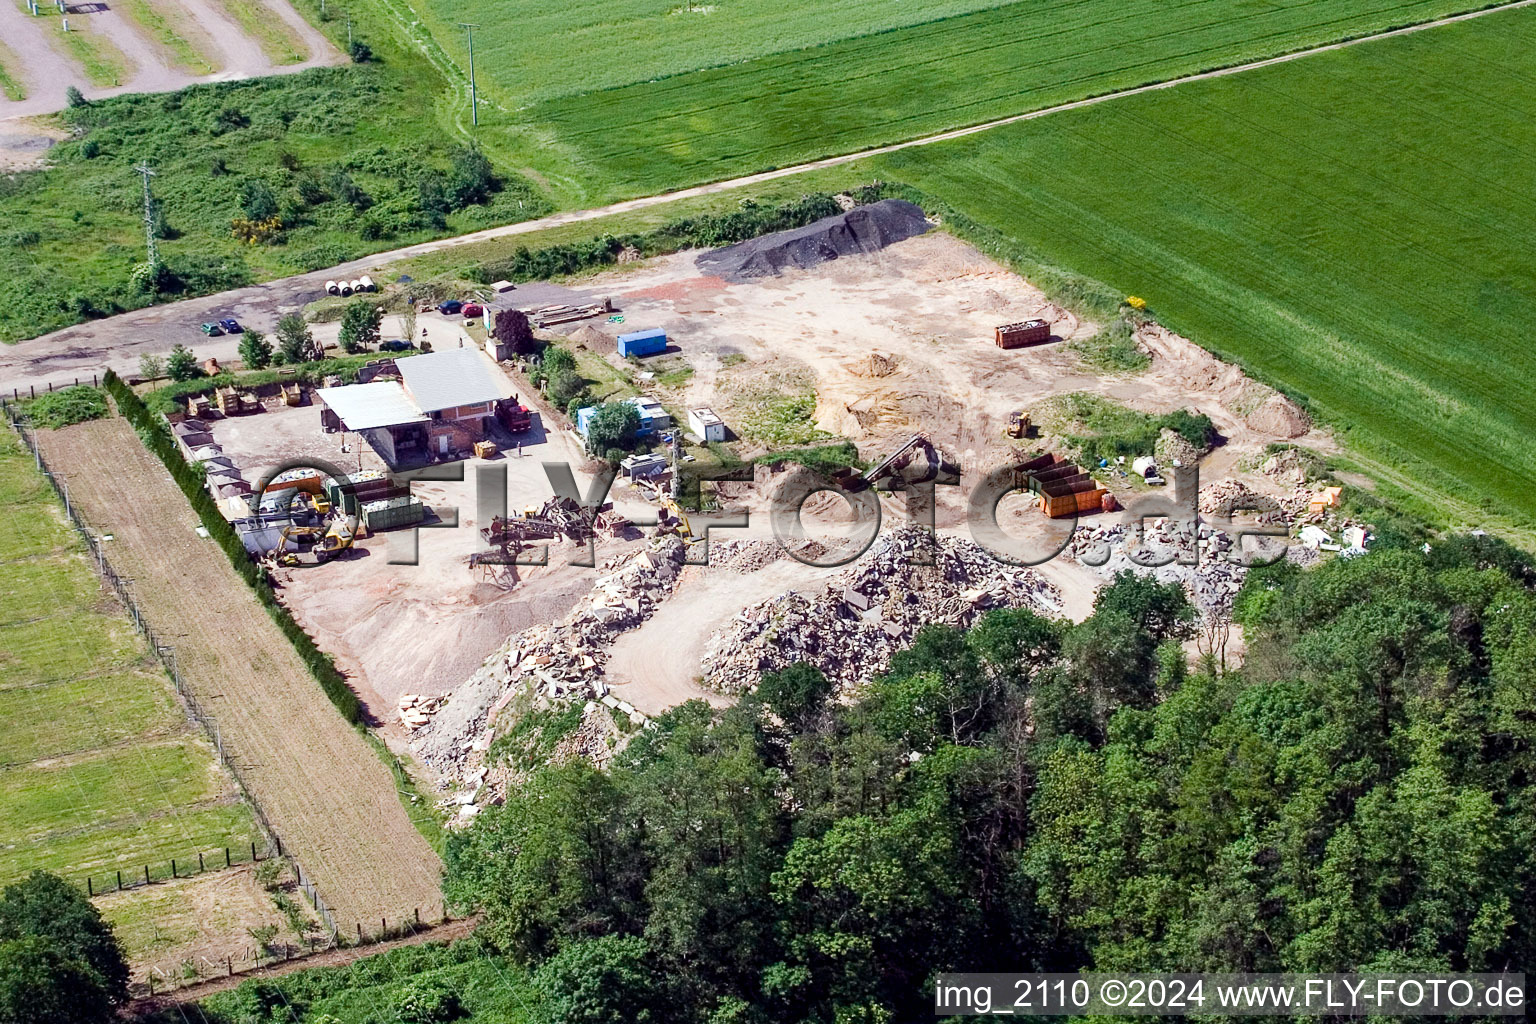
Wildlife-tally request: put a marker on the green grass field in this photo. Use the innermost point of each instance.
(839, 83)
(74, 233)
(99, 769)
(1356, 227)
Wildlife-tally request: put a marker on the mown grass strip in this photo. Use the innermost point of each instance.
(103, 63)
(276, 37)
(99, 767)
(10, 84)
(164, 23)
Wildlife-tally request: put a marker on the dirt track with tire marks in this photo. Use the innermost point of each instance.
(323, 787)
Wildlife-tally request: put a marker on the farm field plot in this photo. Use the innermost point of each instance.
(1357, 227)
(327, 793)
(99, 769)
(859, 91)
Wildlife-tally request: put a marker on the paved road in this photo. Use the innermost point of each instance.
(119, 341)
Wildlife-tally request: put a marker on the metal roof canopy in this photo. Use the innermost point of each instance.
(452, 377)
(366, 406)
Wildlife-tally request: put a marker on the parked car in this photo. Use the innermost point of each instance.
(472, 309)
(212, 330)
(395, 345)
(450, 307)
(231, 326)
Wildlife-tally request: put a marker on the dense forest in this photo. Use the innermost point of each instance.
(1033, 795)
(1028, 795)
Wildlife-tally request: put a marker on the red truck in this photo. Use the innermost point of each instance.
(512, 415)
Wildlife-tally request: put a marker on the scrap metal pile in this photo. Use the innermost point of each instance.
(871, 611)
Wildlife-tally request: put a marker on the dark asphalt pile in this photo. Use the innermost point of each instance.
(862, 229)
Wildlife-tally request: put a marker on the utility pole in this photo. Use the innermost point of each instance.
(151, 250)
(474, 101)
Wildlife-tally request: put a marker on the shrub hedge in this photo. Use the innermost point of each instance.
(157, 437)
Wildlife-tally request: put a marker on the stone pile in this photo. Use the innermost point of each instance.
(1219, 499)
(1167, 552)
(870, 611)
(744, 556)
(416, 710)
(556, 661)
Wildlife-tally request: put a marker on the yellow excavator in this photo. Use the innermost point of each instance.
(317, 544)
(671, 518)
(1019, 425)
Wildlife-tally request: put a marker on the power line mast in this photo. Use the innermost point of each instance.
(151, 250)
(474, 100)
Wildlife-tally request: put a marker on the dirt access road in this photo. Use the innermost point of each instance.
(45, 71)
(324, 788)
(119, 341)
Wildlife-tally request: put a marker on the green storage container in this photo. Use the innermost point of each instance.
(392, 513)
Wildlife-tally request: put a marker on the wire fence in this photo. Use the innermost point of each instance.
(166, 653)
(170, 868)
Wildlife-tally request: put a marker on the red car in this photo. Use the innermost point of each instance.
(472, 309)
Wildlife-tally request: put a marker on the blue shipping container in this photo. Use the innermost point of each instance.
(643, 343)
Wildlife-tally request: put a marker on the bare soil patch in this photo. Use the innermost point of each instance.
(189, 926)
(328, 794)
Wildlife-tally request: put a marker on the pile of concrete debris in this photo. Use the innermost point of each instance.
(744, 556)
(416, 710)
(1193, 556)
(909, 580)
(1222, 497)
(556, 661)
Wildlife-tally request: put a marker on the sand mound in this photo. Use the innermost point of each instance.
(863, 229)
(592, 339)
(1279, 415)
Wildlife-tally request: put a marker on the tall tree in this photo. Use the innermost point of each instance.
(360, 326)
(295, 342)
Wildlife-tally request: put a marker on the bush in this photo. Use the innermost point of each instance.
(705, 231)
(71, 405)
(613, 426)
(255, 349)
(1092, 427)
(359, 326)
(75, 98)
(428, 1001)
(360, 52)
(257, 200)
(181, 364)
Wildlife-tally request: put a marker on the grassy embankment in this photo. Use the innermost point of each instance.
(102, 771)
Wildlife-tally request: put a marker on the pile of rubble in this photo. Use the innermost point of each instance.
(416, 710)
(851, 630)
(1221, 498)
(556, 661)
(1195, 557)
(744, 556)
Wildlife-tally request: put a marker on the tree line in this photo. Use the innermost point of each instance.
(1035, 795)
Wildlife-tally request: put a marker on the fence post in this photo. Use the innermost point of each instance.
(226, 856)
(146, 874)
(253, 851)
(200, 868)
(173, 867)
(119, 880)
(89, 891)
